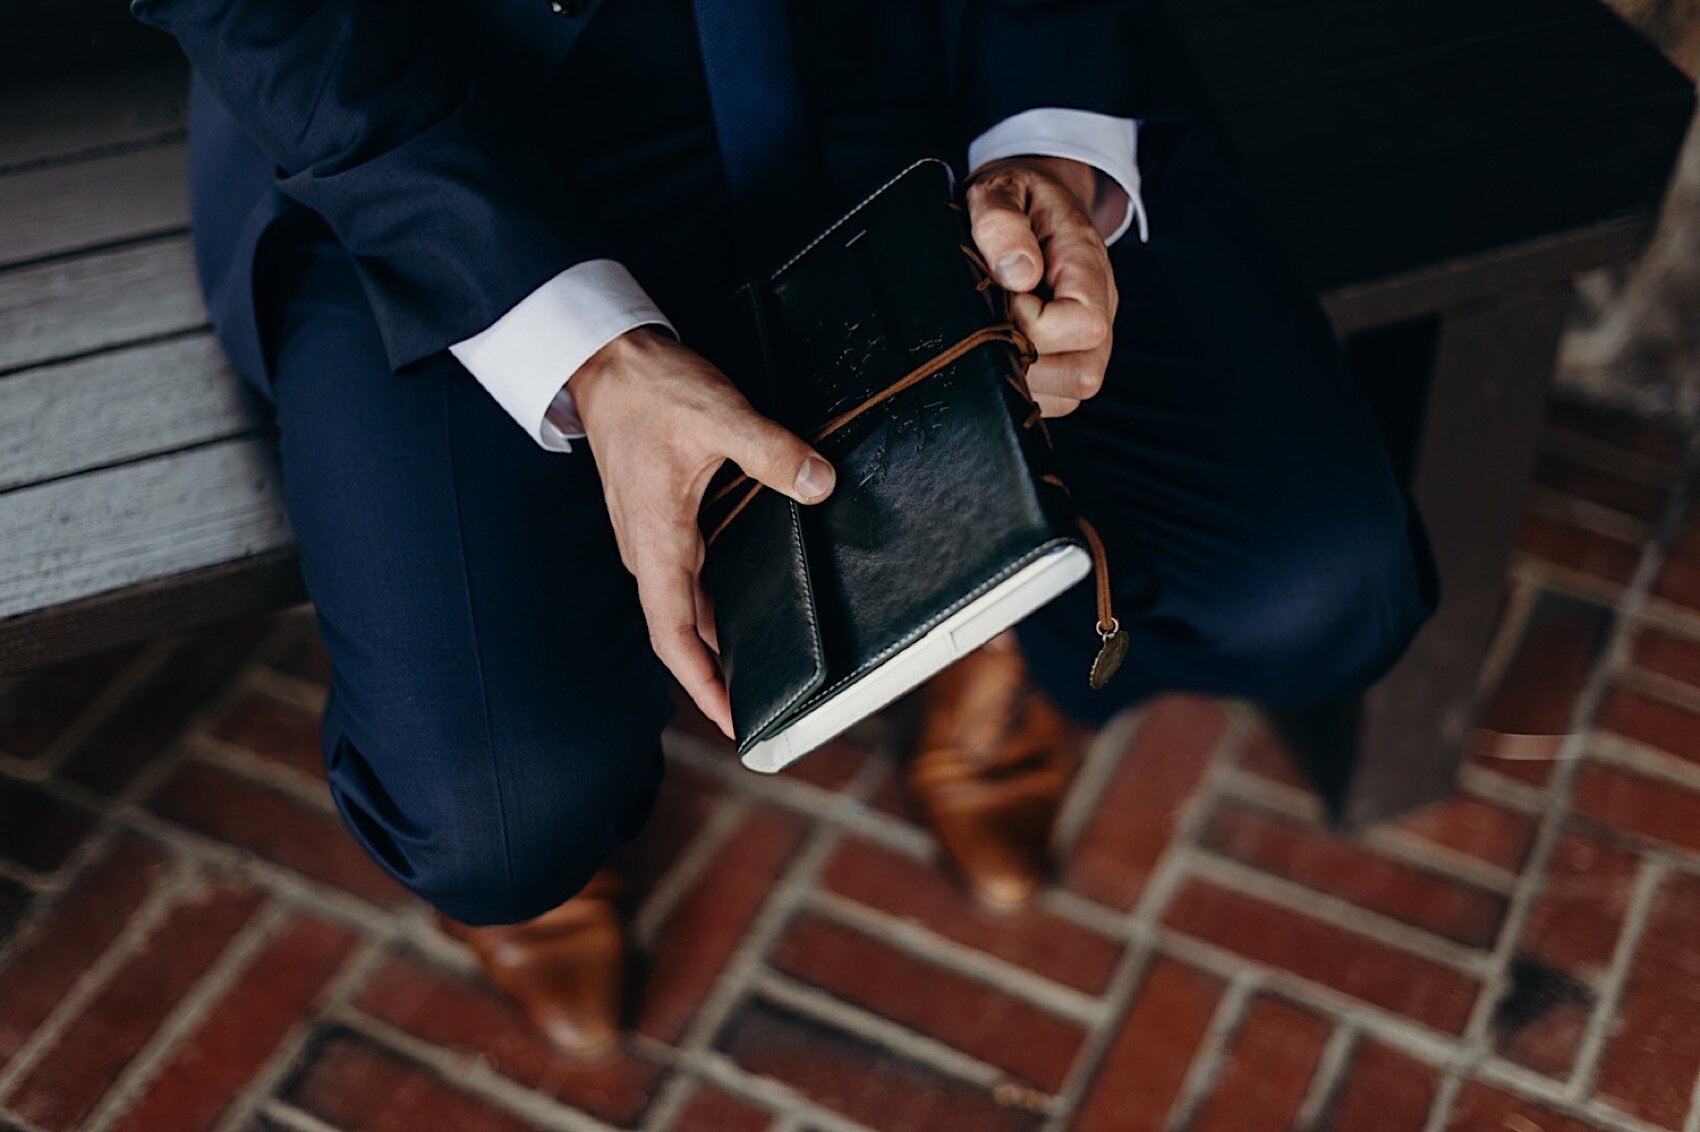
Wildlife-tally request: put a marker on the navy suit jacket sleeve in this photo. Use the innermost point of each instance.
(1014, 55)
(419, 172)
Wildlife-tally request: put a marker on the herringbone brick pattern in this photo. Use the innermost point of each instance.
(189, 941)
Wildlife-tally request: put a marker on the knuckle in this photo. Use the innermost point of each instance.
(1094, 330)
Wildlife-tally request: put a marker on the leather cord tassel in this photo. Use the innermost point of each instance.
(1112, 638)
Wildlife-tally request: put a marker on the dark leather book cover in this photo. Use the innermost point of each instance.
(885, 344)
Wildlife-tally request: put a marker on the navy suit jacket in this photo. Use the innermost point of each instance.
(402, 124)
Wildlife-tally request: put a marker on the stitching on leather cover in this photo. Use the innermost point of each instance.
(799, 557)
(898, 646)
(845, 219)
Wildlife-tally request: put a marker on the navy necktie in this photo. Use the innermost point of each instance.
(759, 120)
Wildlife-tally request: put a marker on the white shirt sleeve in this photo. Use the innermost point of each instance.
(526, 357)
(1109, 145)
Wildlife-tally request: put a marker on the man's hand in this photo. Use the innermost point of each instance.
(1032, 219)
(661, 420)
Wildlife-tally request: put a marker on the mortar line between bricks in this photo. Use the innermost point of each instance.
(1396, 1030)
(1564, 581)
(1648, 879)
(1138, 926)
(291, 691)
(1395, 844)
(1329, 1077)
(102, 834)
(285, 1058)
(836, 809)
(24, 877)
(152, 657)
(23, 1125)
(1179, 855)
(174, 752)
(1501, 789)
(467, 1075)
(1398, 844)
(189, 1012)
(683, 871)
(1325, 907)
(1610, 749)
(95, 848)
(167, 895)
(876, 1029)
(990, 971)
(744, 965)
(675, 1092)
(296, 1120)
(1082, 912)
(1475, 1044)
(1212, 1052)
(1692, 1123)
(229, 860)
(1658, 686)
(1662, 614)
(1103, 756)
(1543, 1091)
(1585, 514)
(780, 1099)
(1125, 981)
(268, 773)
(786, 1123)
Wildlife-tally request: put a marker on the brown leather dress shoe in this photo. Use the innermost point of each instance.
(992, 764)
(565, 969)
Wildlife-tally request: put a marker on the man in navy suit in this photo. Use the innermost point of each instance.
(450, 241)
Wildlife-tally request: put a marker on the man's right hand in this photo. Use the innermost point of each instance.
(660, 420)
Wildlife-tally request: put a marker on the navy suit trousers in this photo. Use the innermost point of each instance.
(493, 730)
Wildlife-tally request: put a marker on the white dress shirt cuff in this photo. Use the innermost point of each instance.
(1110, 145)
(527, 357)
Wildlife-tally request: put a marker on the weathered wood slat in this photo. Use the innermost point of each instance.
(61, 419)
(63, 117)
(70, 306)
(174, 604)
(61, 208)
(1468, 279)
(73, 539)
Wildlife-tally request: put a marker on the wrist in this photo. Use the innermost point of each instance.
(633, 350)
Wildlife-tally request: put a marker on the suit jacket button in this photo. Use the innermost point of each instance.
(569, 8)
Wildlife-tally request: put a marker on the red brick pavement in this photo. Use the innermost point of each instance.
(189, 942)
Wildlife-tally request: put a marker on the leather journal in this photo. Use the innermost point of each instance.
(884, 343)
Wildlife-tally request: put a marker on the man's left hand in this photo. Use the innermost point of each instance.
(1032, 219)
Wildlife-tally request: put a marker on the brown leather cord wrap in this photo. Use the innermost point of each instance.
(1002, 332)
(1109, 628)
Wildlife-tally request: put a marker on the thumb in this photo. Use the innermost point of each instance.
(997, 210)
(775, 457)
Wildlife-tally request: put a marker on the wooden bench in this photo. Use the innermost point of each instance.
(1440, 170)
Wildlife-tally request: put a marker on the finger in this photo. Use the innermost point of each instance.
(1074, 376)
(1054, 406)
(997, 211)
(775, 457)
(667, 594)
(1060, 326)
(705, 618)
(1078, 266)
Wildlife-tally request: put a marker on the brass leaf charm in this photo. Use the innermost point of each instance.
(1110, 656)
